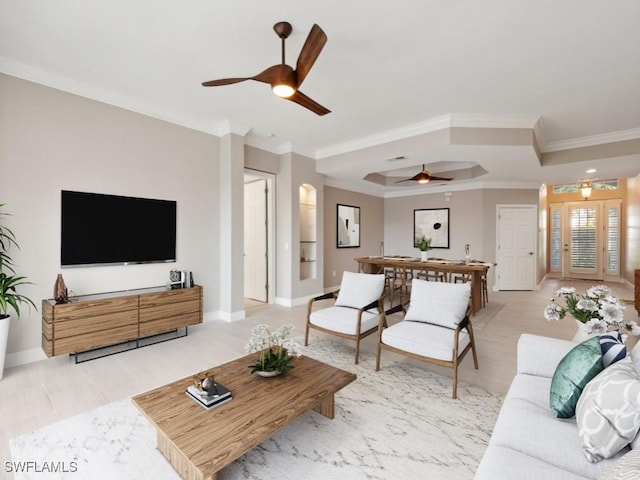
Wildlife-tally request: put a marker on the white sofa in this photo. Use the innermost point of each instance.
(528, 442)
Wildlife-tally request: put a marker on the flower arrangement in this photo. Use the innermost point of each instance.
(277, 349)
(597, 309)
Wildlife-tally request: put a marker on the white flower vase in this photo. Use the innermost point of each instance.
(424, 255)
(581, 333)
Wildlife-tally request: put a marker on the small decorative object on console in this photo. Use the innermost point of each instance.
(277, 350)
(60, 292)
(598, 310)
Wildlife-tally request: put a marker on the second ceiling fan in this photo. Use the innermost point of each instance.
(424, 177)
(284, 80)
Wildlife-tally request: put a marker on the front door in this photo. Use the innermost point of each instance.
(583, 241)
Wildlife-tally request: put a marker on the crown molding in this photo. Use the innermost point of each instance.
(426, 190)
(352, 187)
(601, 139)
(228, 126)
(68, 85)
(428, 126)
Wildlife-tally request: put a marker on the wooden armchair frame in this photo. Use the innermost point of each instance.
(359, 335)
(457, 355)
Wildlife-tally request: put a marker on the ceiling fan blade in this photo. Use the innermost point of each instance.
(224, 81)
(310, 50)
(431, 177)
(405, 180)
(301, 99)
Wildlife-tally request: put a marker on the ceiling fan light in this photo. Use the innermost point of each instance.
(423, 180)
(283, 90)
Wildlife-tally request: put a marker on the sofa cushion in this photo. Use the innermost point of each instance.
(358, 290)
(575, 370)
(439, 303)
(628, 467)
(527, 425)
(608, 411)
(502, 463)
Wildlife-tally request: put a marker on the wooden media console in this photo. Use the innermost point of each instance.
(90, 322)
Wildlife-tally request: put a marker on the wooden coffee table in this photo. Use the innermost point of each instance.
(199, 442)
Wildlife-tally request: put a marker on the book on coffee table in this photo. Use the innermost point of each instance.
(215, 396)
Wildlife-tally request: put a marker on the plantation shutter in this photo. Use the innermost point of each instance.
(612, 234)
(555, 235)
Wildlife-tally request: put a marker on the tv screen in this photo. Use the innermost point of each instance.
(100, 229)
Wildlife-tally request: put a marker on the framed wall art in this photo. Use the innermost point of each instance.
(434, 223)
(348, 226)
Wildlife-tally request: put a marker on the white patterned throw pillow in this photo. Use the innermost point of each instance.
(627, 468)
(608, 411)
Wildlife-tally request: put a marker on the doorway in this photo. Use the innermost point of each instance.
(259, 270)
(516, 254)
(585, 240)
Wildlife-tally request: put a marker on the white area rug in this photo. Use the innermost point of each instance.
(399, 423)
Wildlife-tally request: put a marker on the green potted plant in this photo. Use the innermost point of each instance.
(9, 281)
(423, 242)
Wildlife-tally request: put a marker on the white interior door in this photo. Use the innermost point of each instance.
(516, 247)
(255, 239)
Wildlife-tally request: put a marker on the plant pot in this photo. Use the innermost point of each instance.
(272, 373)
(424, 255)
(4, 337)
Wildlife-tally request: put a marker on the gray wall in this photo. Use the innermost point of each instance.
(52, 141)
(372, 219)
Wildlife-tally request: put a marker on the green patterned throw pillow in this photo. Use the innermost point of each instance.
(574, 371)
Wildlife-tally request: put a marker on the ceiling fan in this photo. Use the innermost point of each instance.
(284, 80)
(424, 177)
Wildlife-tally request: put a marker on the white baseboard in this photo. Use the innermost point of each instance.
(226, 316)
(24, 357)
(294, 302)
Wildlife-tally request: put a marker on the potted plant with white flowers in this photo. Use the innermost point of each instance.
(9, 282)
(596, 312)
(277, 350)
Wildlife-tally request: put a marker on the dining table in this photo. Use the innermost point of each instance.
(475, 270)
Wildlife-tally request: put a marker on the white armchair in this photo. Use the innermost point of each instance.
(355, 313)
(435, 329)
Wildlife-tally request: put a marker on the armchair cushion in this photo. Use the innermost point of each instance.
(344, 319)
(438, 303)
(359, 289)
(424, 339)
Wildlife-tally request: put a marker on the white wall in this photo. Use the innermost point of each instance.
(52, 141)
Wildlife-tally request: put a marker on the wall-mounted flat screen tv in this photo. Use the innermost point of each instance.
(100, 229)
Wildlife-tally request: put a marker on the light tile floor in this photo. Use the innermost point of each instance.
(37, 394)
